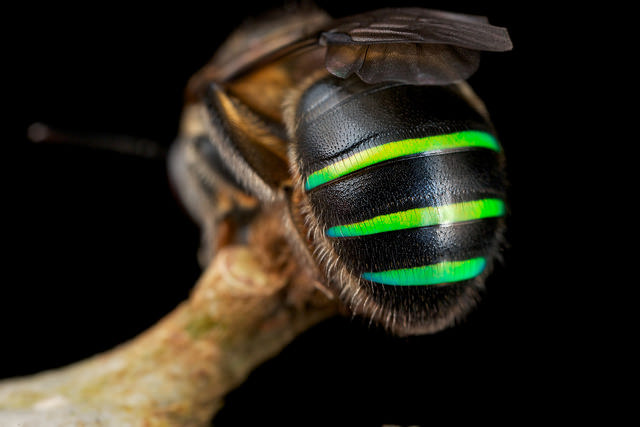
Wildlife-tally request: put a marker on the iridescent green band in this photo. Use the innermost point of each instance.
(405, 147)
(422, 217)
(443, 272)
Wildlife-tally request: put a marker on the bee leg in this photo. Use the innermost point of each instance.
(217, 207)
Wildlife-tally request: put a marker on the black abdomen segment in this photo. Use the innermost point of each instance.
(414, 247)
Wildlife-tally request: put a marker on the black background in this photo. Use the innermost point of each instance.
(99, 249)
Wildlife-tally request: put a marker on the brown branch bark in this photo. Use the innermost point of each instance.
(244, 309)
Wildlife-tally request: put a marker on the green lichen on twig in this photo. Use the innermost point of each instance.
(200, 326)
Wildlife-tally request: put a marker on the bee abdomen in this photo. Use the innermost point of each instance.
(407, 186)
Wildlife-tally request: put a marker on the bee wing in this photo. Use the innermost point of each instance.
(260, 39)
(410, 45)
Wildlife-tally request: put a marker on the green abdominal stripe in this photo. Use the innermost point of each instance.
(395, 149)
(434, 274)
(422, 217)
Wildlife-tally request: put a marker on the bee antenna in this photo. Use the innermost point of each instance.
(41, 133)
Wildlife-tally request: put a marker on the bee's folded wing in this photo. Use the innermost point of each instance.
(410, 45)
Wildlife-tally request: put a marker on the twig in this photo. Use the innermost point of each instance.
(244, 309)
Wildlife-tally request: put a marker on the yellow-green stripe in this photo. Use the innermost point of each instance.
(434, 274)
(422, 217)
(405, 147)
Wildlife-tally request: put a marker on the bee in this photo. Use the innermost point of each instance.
(363, 134)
